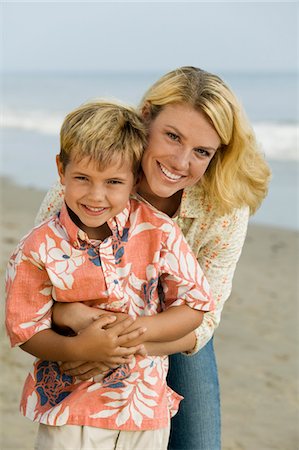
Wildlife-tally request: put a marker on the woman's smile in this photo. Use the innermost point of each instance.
(170, 175)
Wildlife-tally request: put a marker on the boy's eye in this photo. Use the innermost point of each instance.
(114, 182)
(173, 136)
(81, 178)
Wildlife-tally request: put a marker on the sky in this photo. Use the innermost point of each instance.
(149, 36)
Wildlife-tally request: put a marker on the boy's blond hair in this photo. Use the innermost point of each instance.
(237, 174)
(102, 130)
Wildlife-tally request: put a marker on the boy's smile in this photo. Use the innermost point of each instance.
(95, 196)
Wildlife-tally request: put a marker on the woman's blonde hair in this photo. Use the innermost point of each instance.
(238, 174)
(102, 130)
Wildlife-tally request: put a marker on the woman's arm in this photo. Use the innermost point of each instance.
(51, 204)
(184, 344)
(167, 326)
(218, 254)
(70, 315)
(85, 370)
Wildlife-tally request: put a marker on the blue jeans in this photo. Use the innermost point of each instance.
(197, 424)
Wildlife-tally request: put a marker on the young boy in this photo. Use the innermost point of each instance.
(117, 254)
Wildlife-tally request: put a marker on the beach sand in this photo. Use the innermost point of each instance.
(256, 343)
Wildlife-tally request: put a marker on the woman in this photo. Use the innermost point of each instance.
(203, 168)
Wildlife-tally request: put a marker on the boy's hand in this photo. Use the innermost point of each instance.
(108, 346)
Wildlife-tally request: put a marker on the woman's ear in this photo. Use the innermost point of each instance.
(60, 169)
(136, 182)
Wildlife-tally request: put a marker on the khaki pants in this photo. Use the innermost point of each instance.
(76, 437)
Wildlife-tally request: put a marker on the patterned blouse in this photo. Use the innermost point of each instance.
(144, 267)
(216, 241)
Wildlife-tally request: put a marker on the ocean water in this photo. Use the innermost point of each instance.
(34, 105)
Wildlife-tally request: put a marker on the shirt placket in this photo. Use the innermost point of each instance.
(111, 277)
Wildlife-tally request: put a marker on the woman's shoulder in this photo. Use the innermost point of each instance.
(199, 207)
(51, 204)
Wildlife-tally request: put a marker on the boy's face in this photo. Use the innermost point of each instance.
(95, 196)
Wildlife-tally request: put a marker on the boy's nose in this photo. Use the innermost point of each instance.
(97, 193)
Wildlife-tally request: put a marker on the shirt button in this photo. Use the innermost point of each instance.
(115, 281)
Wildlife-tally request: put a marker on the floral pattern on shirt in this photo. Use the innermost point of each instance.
(51, 385)
(215, 240)
(146, 253)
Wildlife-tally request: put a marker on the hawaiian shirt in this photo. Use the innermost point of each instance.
(146, 253)
(216, 241)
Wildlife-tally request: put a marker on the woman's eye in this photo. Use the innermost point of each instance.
(202, 152)
(173, 136)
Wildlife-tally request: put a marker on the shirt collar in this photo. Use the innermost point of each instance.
(77, 236)
(193, 202)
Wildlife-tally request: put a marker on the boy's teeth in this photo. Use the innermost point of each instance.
(170, 175)
(94, 209)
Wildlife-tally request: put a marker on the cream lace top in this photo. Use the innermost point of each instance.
(216, 242)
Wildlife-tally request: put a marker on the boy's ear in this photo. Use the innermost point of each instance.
(60, 169)
(146, 111)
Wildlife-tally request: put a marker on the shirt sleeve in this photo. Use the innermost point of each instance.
(182, 279)
(218, 258)
(28, 296)
(51, 204)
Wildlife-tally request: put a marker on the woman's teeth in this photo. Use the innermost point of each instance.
(170, 175)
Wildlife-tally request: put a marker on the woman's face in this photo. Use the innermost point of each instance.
(181, 144)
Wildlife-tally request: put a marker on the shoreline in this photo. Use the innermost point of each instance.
(256, 343)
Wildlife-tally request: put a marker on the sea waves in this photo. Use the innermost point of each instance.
(278, 140)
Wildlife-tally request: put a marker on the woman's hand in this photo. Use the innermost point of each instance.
(84, 370)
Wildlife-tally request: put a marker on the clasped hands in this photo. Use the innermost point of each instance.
(116, 331)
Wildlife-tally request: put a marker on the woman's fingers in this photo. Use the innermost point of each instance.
(90, 374)
(84, 369)
(67, 365)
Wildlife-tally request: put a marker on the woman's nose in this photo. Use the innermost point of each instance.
(181, 160)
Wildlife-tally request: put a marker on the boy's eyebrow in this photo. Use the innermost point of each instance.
(80, 172)
(117, 176)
